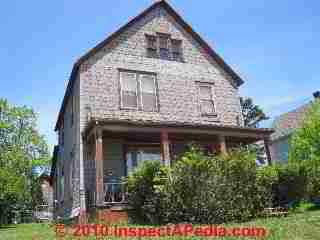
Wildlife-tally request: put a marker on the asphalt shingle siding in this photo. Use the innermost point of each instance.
(97, 86)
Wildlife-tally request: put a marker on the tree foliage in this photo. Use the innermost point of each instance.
(252, 114)
(23, 154)
(305, 147)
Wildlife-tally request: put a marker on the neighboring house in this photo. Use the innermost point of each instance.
(284, 126)
(144, 93)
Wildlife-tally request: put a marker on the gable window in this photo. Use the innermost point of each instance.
(128, 82)
(164, 47)
(207, 106)
(176, 49)
(143, 99)
(151, 45)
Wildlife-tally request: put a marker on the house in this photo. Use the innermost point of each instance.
(284, 126)
(143, 93)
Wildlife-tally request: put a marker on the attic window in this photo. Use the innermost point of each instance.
(164, 47)
(176, 49)
(151, 45)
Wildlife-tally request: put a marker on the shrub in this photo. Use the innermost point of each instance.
(144, 193)
(206, 190)
(212, 189)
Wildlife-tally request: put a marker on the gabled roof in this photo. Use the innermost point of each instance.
(286, 123)
(177, 17)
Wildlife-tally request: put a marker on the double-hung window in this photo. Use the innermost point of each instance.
(138, 91)
(129, 90)
(206, 98)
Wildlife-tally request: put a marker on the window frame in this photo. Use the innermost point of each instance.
(121, 89)
(213, 99)
(178, 50)
(139, 90)
(155, 51)
(155, 91)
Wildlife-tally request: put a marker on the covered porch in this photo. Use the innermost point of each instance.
(114, 148)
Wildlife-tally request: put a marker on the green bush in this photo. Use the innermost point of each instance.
(144, 192)
(199, 189)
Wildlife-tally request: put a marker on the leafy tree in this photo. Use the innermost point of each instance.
(23, 154)
(305, 147)
(252, 114)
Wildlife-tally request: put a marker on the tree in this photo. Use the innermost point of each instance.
(252, 114)
(305, 147)
(23, 154)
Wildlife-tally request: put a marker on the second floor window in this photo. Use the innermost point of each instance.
(206, 99)
(138, 91)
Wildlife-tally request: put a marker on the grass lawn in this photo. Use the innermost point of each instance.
(302, 226)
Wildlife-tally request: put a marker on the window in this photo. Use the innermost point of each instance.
(128, 82)
(146, 98)
(206, 99)
(148, 93)
(151, 45)
(162, 46)
(137, 154)
(176, 49)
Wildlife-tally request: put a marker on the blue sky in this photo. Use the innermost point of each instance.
(273, 45)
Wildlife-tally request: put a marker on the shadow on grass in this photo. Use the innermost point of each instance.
(314, 208)
(5, 227)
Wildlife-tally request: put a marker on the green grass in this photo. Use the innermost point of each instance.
(296, 226)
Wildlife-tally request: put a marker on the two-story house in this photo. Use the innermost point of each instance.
(143, 93)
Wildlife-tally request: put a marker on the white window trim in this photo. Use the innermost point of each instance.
(213, 99)
(121, 95)
(154, 91)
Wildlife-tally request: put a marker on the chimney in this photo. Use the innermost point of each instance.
(316, 95)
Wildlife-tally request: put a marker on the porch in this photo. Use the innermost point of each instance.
(114, 148)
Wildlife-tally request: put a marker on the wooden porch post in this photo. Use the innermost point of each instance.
(222, 144)
(165, 149)
(267, 149)
(99, 167)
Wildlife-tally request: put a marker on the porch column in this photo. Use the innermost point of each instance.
(165, 149)
(266, 141)
(99, 166)
(222, 144)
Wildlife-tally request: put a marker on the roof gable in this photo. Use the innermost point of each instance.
(177, 18)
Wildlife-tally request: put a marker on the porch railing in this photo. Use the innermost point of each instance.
(116, 192)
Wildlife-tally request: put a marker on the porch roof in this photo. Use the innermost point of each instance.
(111, 125)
